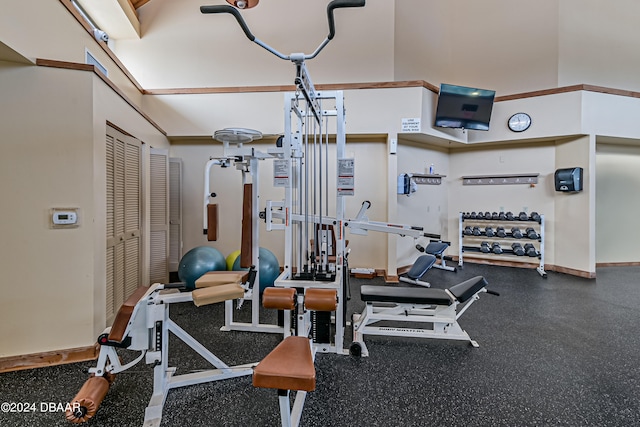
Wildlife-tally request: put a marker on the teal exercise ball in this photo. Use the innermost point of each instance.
(198, 261)
(269, 268)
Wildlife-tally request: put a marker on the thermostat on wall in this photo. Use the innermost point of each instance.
(64, 218)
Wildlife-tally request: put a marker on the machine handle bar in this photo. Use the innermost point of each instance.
(492, 292)
(335, 4)
(232, 10)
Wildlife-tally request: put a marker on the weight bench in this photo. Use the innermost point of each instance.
(436, 309)
(290, 366)
(437, 248)
(143, 324)
(419, 268)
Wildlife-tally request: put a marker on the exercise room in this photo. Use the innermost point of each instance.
(320, 213)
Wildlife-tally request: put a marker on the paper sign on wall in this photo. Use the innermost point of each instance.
(411, 125)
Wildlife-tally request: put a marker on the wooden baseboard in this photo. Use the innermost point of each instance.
(49, 358)
(617, 264)
(571, 271)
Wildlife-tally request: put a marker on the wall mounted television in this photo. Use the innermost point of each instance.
(464, 107)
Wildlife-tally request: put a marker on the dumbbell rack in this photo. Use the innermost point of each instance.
(470, 245)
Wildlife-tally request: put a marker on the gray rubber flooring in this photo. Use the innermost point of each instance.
(560, 351)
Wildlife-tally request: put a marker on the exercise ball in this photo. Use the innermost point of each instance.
(269, 268)
(198, 261)
(231, 258)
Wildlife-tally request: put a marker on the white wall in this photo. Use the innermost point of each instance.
(45, 29)
(598, 43)
(617, 207)
(370, 169)
(508, 159)
(428, 206)
(215, 52)
(46, 159)
(52, 155)
(574, 227)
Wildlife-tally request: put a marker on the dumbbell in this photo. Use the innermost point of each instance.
(489, 232)
(522, 216)
(476, 231)
(495, 247)
(468, 231)
(465, 215)
(516, 233)
(484, 247)
(530, 250)
(480, 215)
(532, 234)
(535, 216)
(473, 215)
(517, 249)
(509, 216)
(502, 216)
(500, 232)
(495, 216)
(487, 215)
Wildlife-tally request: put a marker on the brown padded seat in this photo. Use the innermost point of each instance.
(279, 298)
(289, 366)
(215, 278)
(214, 294)
(317, 299)
(124, 315)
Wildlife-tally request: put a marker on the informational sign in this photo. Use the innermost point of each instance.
(281, 173)
(411, 125)
(346, 177)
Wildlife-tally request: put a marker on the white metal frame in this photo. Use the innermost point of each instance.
(149, 328)
(245, 159)
(437, 321)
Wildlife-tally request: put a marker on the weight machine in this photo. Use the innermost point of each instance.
(312, 214)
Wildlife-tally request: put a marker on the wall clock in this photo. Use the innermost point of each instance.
(519, 122)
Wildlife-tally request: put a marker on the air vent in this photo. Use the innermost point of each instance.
(91, 60)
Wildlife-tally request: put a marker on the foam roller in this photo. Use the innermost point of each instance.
(89, 399)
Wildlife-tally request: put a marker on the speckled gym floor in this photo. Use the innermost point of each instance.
(560, 351)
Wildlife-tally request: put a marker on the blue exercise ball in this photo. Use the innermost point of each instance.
(269, 268)
(198, 261)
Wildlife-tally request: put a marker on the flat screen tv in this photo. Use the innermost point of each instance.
(464, 107)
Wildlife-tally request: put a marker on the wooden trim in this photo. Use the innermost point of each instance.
(87, 67)
(617, 264)
(291, 88)
(49, 358)
(384, 85)
(565, 89)
(103, 45)
(571, 271)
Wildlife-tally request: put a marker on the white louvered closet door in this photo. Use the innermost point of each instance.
(175, 213)
(159, 216)
(123, 161)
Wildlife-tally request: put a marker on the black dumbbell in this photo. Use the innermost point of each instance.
(530, 250)
(502, 216)
(509, 216)
(487, 215)
(532, 234)
(484, 247)
(522, 216)
(488, 231)
(467, 231)
(516, 233)
(517, 249)
(495, 247)
(473, 215)
(500, 232)
(535, 216)
(465, 215)
(476, 231)
(495, 216)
